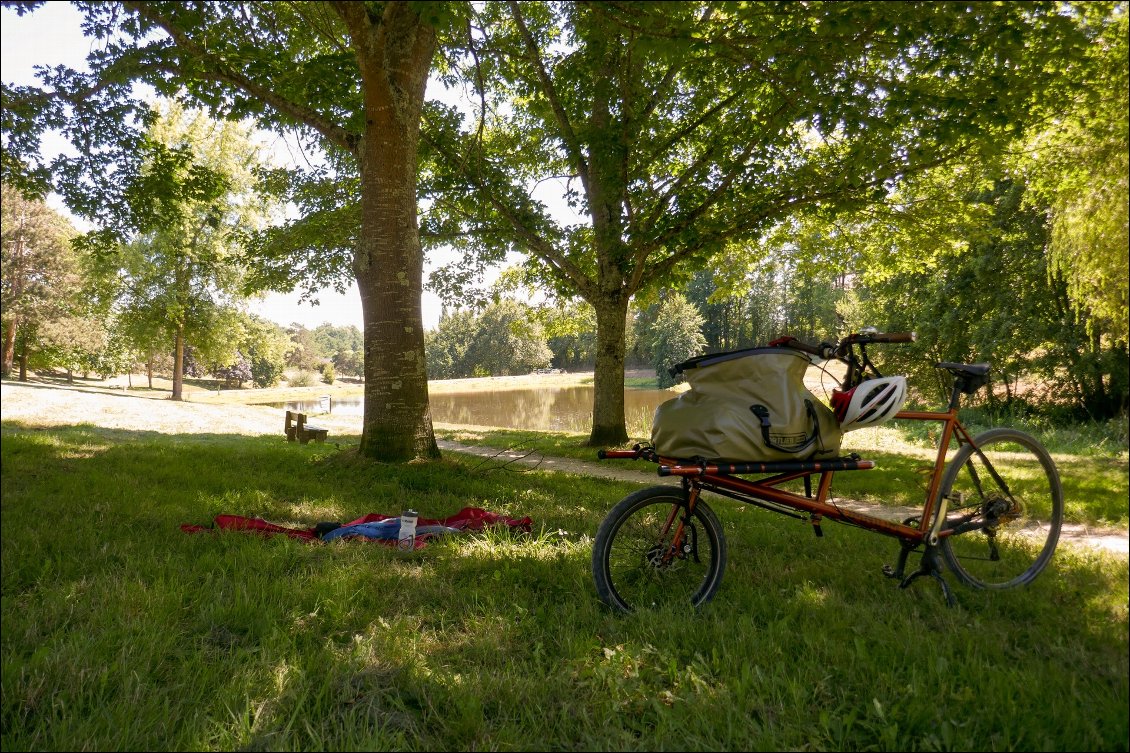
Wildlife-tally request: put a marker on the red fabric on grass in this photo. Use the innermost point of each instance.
(467, 519)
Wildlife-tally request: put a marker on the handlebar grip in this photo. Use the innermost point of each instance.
(894, 337)
(795, 344)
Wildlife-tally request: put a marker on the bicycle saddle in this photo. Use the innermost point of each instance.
(968, 377)
(965, 369)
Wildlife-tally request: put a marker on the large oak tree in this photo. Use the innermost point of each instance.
(679, 129)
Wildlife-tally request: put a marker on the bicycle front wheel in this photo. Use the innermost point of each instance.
(652, 550)
(1005, 510)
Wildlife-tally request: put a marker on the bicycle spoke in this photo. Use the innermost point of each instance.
(651, 552)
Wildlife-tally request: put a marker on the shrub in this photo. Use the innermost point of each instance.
(328, 374)
(265, 373)
(301, 379)
(678, 336)
(234, 374)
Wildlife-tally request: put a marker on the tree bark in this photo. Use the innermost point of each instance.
(10, 345)
(178, 365)
(608, 426)
(18, 277)
(395, 58)
(1102, 403)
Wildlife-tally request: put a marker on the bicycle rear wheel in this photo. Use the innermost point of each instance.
(652, 551)
(1005, 507)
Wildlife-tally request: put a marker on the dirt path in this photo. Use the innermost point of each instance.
(37, 404)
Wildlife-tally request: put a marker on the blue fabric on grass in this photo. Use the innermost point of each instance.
(385, 529)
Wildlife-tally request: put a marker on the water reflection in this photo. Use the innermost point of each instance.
(538, 408)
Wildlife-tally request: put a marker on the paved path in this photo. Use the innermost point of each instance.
(1112, 540)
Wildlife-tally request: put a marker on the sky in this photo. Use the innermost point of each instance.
(51, 35)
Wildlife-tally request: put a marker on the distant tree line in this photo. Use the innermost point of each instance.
(60, 311)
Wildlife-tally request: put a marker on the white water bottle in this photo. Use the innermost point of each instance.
(407, 539)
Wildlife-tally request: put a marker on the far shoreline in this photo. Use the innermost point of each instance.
(209, 391)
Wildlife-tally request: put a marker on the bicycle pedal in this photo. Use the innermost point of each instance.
(895, 573)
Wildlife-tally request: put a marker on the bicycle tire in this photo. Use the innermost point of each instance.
(633, 563)
(1010, 531)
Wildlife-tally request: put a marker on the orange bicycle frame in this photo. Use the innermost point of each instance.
(723, 479)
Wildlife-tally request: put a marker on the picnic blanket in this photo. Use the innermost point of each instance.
(382, 529)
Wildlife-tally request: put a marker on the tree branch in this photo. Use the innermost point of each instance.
(317, 25)
(779, 206)
(668, 77)
(356, 20)
(217, 70)
(569, 136)
(710, 200)
(527, 236)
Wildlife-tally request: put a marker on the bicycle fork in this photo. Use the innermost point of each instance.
(680, 547)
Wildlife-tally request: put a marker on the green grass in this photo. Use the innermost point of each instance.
(643, 383)
(122, 632)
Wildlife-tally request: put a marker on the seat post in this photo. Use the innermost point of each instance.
(955, 398)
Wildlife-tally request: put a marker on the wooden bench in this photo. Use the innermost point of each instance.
(297, 428)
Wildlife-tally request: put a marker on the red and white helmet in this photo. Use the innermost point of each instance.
(873, 402)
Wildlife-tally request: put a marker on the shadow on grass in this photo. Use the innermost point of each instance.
(100, 389)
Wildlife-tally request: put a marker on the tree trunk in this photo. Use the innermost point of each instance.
(23, 362)
(1101, 407)
(10, 345)
(178, 365)
(389, 261)
(17, 281)
(608, 426)
(149, 370)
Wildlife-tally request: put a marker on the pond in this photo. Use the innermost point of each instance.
(535, 408)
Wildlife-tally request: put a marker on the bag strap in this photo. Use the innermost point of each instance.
(762, 414)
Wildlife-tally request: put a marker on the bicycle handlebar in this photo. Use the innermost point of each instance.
(829, 350)
(886, 337)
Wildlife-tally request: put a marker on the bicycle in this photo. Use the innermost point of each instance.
(993, 513)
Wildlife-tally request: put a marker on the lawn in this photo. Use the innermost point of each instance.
(122, 632)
